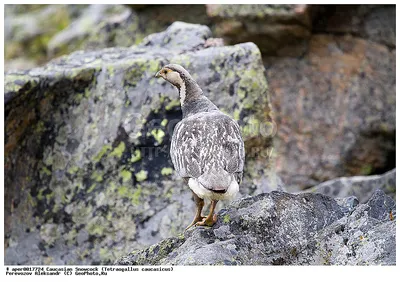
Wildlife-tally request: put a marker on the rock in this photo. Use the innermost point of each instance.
(283, 229)
(19, 64)
(373, 22)
(87, 166)
(366, 237)
(348, 204)
(37, 33)
(28, 29)
(281, 30)
(99, 26)
(335, 110)
(103, 26)
(155, 18)
(174, 39)
(362, 187)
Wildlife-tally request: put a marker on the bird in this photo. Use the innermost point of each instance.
(207, 148)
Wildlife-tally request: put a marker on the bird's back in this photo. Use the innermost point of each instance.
(208, 146)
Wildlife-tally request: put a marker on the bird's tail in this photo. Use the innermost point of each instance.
(217, 181)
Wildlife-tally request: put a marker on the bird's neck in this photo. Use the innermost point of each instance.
(194, 106)
(189, 90)
(192, 99)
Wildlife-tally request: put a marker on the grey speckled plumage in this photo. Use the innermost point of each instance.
(207, 145)
(206, 148)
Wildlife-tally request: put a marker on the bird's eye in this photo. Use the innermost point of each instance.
(165, 71)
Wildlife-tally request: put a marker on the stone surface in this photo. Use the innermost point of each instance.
(366, 237)
(35, 34)
(374, 22)
(87, 166)
(334, 109)
(28, 29)
(98, 26)
(362, 187)
(284, 229)
(281, 30)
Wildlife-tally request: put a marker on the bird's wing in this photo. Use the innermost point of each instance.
(207, 142)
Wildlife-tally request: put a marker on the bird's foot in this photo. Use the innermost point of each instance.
(195, 221)
(208, 221)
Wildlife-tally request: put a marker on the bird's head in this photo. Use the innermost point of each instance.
(174, 74)
(181, 79)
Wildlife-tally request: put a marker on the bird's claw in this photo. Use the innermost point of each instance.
(207, 221)
(195, 221)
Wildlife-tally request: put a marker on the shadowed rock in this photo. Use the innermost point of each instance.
(281, 30)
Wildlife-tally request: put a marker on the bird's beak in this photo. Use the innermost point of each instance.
(158, 74)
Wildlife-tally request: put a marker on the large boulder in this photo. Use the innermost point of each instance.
(29, 28)
(335, 110)
(87, 168)
(276, 29)
(283, 229)
(97, 27)
(373, 22)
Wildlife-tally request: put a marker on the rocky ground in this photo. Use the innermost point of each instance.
(88, 174)
(278, 228)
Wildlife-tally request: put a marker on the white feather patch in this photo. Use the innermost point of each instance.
(182, 92)
(204, 193)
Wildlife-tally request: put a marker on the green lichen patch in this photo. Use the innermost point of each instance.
(73, 169)
(97, 176)
(119, 150)
(126, 175)
(136, 196)
(91, 188)
(102, 152)
(172, 104)
(136, 156)
(166, 171)
(227, 218)
(123, 191)
(164, 122)
(158, 135)
(13, 82)
(45, 171)
(141, 176)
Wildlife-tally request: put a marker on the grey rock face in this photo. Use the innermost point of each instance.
(362, 187)
(280, 228)
(366, 237)
(87, 145)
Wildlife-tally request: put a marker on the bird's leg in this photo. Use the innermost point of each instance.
(199, 205)
(211, 219)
